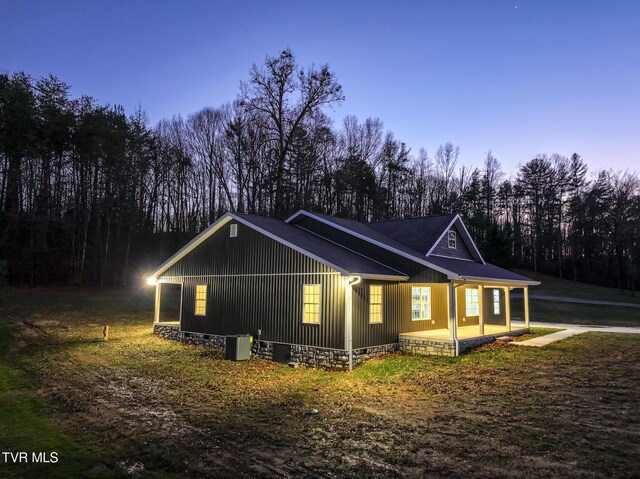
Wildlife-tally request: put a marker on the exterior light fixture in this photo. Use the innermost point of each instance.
(151, 281)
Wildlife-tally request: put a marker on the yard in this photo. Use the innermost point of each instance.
(144, 407)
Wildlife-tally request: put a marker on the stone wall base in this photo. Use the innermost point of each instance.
(298, 354)
(440, 347)
(429, 347)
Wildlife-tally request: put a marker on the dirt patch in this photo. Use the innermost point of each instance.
(568, 410)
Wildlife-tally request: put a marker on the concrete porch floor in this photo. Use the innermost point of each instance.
(466, 332)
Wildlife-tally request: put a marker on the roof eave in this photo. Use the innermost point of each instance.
(528, 282)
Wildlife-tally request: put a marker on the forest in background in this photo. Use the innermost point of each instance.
(91, 195)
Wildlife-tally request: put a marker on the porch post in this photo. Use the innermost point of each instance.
(453, 324)
(507, 307)
(348, 320)
(481, 309)
(526, 306)
(156, 313)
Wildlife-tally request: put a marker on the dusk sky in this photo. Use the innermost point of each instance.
(517, 77)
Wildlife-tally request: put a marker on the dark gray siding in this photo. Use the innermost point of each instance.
(396, 313)
(244, 304)
(417, 272)
(250, 252)
(254, 282)
(460, 252)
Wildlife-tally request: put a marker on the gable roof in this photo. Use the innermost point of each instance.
(349, 262)
(403, 239)
(324, 251)
(371, 235)
(420, 234)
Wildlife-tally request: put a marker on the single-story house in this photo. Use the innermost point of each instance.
(332, 292)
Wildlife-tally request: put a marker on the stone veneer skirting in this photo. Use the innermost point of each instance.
(440, 347)
(429, 347)
(333, 358)
(300, 354)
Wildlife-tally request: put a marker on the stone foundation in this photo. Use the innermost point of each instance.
(174, 334)
(299, 354)
(425, 346)
(333, 358)
(440, 347)
(364, 354)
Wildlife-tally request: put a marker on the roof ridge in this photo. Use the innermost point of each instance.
(412, 218)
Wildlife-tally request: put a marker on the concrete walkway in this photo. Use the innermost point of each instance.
(565, 299)
(569, 330)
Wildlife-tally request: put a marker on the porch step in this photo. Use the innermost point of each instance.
(504, 339)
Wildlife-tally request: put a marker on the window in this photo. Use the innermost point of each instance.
(473, 306)
(233, 231)
(452, 239)
(496, 301)
(375, 304)
(311, 293)
(201, 300)
(420, 303)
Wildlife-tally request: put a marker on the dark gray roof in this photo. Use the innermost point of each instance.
(371, 233)
(420, 234)
(401, 235)
(347, 260)
(471, 269)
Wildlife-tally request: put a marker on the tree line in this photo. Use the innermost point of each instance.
(90, 195)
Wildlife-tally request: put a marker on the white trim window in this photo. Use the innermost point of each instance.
(472, 302)
(496, 301)
(420, 303)
(452, 239)
(233, 230)
(311, 301)
(375, 304)
(201, 300)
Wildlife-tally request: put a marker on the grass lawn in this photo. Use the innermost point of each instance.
(576, 313)
(552, 286)
(139, 406)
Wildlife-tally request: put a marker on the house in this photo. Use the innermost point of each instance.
(332, 292)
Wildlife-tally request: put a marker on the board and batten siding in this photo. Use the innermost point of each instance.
(489, 316)
(418, 273)
(460, 251)
(255, 282)
(273, 304)
(396, 312)
(487, 307)
(251, 252)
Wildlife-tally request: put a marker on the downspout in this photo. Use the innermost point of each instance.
(348, 316)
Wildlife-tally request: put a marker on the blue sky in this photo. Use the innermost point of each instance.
(517, 77)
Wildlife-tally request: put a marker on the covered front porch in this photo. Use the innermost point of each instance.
(479, 312)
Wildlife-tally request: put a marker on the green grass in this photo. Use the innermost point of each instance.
(27, 425)
(576, 313)
(552, 286)
(161, 409)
